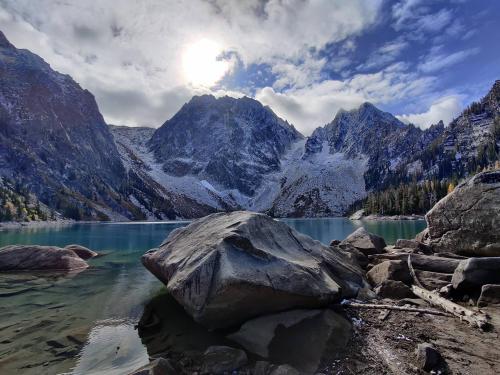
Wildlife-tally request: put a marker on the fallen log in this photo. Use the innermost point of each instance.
(477, 319)
(357, 305)
(420, 262)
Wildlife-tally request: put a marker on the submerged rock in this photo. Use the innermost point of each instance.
(82, 251)
(228, 267)
(466, 221)
(365, 242)
(34, 257)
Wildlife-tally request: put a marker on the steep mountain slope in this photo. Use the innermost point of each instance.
(151, 189)
(468, 144)
(385, 141)
(231, 143)
(54, 141)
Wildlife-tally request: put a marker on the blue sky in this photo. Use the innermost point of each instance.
(422, 60)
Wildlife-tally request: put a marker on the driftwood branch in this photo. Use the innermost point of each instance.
(356, 305)
(476, 319)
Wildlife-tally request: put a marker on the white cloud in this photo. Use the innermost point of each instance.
(384, 55)
(316, 105)
(129, 55)
(445, 109)
(437, 61)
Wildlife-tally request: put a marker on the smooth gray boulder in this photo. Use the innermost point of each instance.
(228, 267)
(43, 258)
(471, 274)
(467, 220)
(82, 251)
(365, 242)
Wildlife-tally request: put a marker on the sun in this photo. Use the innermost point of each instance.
(202, 65)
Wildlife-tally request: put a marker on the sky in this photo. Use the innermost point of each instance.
(422, 60)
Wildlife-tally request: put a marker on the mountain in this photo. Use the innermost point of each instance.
(54, 141)
(215, 154)
(231, 143)
(378, 136)
(148, 187)
(470, 143)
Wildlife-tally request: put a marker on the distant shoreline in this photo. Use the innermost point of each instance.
(35, 224)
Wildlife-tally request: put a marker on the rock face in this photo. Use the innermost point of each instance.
(365, 242)
(246, 142)
(473, 273)
(226, 268)
(379, 136)
(53, 137)
(33, 257)
(466, 221)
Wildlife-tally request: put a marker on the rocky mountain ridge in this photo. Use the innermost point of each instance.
(215, 154)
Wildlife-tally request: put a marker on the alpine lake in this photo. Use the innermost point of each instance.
(85, 322)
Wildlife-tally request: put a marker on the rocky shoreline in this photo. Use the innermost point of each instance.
(360, 215)
(246, 294)
(6, 225)
(365, 307)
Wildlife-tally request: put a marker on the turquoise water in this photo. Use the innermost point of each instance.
(83, 323)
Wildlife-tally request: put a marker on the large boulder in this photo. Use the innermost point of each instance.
(34, 257)
(466, 221)
(471, 274)
(228, 267)
(365, 242)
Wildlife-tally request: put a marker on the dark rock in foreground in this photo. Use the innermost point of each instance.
(34, 257)
(428, 358)
(467, 221)
(280, 337)
(229, 267)
(221, 359)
